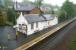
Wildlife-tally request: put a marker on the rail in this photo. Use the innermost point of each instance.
(40, 38)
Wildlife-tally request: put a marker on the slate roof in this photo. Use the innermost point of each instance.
(48, 17)
(24, 7)
(34, 18)
(46, 7)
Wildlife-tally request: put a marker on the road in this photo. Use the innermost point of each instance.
(4, 31)
(11, 43)
(55, 41)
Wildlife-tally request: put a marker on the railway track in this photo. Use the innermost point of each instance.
(29, 45)
(55, 39)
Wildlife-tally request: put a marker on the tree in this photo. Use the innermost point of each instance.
(11, 15)
(75, 10)
(38, 3)
(62, 15)
(9, 6)
(9, 3)
(2, 13)
(68, 7)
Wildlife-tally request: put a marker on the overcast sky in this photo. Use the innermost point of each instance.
(53, 2)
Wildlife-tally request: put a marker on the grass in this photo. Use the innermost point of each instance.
(72, 45)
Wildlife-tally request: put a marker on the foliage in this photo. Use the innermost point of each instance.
(1, 20)
(11, 15)
(8, 3)
(67, 10)
(2, 14)
(68, 7)
(38, 3)
(62, 15)
(7, 12)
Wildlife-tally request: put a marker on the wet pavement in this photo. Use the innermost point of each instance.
(4, 32)
(8, 39)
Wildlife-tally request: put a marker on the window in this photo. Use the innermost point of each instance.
(23, 26)
(32, 26)
(20, 27)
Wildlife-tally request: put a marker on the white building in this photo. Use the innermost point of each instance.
(31, 23)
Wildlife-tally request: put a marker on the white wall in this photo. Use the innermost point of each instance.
(54, 21)
(29, 30)
(21, 20)
(51, 22)
(41, 25)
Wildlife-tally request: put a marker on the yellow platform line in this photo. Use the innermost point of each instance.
(40, 38)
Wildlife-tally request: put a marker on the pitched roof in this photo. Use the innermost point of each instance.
(24, 7)
(48, 17)
(31, 18)
(45, 7)
(34, 18)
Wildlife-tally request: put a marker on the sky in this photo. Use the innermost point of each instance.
(53, 2)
